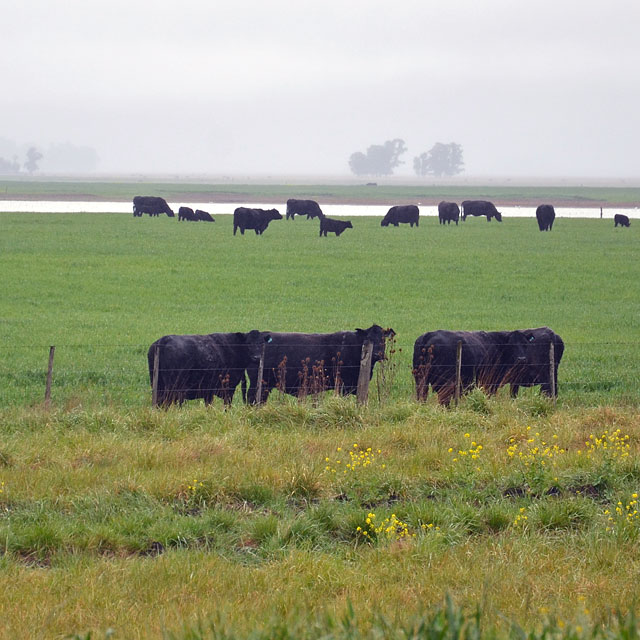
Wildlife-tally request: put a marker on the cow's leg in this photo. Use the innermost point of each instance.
(514, 390)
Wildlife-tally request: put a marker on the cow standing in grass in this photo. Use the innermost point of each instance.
(310, 208)
(302, 363)
(203, 366)
(330, 225)
(256, 219)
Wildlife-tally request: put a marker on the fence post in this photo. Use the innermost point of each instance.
(260, 374)
(47, 391)
(154, 382)
(552, 371)
(458, 372)
(362, 393)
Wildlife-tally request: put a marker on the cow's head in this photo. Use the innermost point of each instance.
(274, 214)
(348, 225)
(385, 221)
(255, 341)
(498, 216)
(377, 336)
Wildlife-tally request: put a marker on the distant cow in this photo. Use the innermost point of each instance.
(480, 208)
(204, 216)
(490, 359)
(621, 219)
(448, 212)
(256, 219)
(331, 225)
(187, 213)
(402, 213)
(545, 215)
(152, 205)
(310, 208)
(537, 369)
(203, 366)
(305, 363)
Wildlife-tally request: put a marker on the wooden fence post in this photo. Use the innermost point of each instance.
(47, 391)
(552, 371)
(154, 383)
(362, 393)
(260, 374)
(458, 372)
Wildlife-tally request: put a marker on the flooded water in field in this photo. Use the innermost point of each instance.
(332, 210)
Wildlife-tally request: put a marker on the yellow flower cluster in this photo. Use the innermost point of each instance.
(472, 453)
(521, 518)
(613, 444)
(1, 487)
(195, 486)
(627, 513)
(533, 450)
(359, 458)
(391, 528)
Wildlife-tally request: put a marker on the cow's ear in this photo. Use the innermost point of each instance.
(531, 337)
(267, 337)
(242, 337)
(361, 332)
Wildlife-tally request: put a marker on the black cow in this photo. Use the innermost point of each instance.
(448, 212)
(402, 213)
(310, 208)
(331, 225)
(306, 363)
(153, 205)
(257, 219)
(490, 359)
(545, 215)
(621, 219)
(480, 208)
(205, 216)
(187, 213)
(537, 369)
(203, 366)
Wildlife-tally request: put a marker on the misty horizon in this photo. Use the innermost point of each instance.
(542, 90)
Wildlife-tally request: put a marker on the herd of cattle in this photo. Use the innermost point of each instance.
(187, 367)
(258, 219)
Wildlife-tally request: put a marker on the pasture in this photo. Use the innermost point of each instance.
(102, 288)
(115, 516)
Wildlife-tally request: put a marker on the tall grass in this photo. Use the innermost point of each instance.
(148, 520)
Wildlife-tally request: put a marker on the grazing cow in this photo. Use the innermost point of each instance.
(480, 208)
(187, 213)
(490, 359)
(448, 212)
(401, 213)
(621, 219)
(257, 219)
(310, 208)
(204, 216)
(153, 205)
(203, 366)
(545, 215)
(309, 363)
(537, 369)
(331, 225)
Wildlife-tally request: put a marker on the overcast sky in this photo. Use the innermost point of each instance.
(544, 88)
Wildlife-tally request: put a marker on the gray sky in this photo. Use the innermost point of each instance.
(545, 88)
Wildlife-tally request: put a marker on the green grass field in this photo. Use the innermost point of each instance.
(102, 288)
(575, 195)
(203, 523)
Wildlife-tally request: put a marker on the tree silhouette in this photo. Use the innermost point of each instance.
(380, 159)
(33, 157)
(440, 160)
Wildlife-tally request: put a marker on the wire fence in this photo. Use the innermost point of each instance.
(122, 373)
